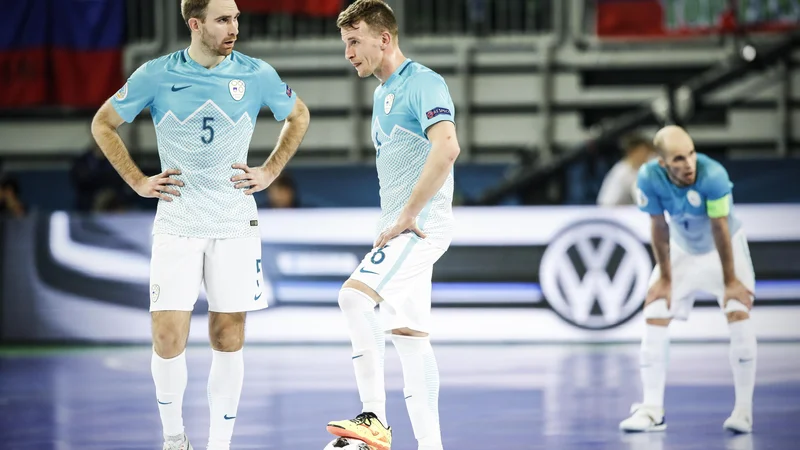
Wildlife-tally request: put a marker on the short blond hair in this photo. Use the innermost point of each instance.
(194, 9)
(378, 16)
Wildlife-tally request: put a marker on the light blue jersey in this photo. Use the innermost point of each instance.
(204, 120)
(405, 106)
(690, 225)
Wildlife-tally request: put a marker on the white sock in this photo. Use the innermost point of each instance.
(421, 390)
(224, 390)
(170, 377)
(742, 357)
(653, 364)
(369, 348)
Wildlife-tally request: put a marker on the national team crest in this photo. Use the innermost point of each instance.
(122, 93)
(237, 89)
(387, 103)
(694, 198)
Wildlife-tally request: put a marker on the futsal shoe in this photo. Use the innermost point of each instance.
(739, 422)
(177, 443)
(644, 418)
(365, 427)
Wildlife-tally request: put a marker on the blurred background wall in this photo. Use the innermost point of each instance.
(549, 94)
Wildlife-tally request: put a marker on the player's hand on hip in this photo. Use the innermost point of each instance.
(661, 289)
(254, 179)
(738, 291)
(158, 186)
(402, 224)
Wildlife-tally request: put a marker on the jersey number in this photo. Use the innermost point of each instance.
(209, 128)
(378, 256)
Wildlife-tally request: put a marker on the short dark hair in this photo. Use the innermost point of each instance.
(376, 14)
(632, 141)
(194, 9)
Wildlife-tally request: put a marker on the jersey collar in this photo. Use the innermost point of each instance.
(188, 59)
(397, 72)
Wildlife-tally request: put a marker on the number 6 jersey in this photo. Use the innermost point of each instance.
(204, 120)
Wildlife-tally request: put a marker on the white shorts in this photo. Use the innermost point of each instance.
(401, 274)
(230, 270)
(692, 274)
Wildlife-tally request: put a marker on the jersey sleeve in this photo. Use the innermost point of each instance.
(717, 190)
(275, 94)
(430, 101)
(137, 93)
(646, 195)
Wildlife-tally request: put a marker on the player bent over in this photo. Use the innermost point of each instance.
(703, 248)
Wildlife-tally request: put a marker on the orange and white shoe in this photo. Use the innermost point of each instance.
(365, 427)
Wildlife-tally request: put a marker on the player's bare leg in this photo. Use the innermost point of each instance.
(168, 365)
(421, 385)
(649, 415)
(357, 302)
(226, 332)
(742, 357)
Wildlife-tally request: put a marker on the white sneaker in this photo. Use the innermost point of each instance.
(740, 421)
(177, 443)
(644, 418)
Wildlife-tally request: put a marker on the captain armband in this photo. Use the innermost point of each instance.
(720, 207)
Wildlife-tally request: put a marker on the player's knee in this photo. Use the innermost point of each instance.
(736, 316)
(736, 310)
(227, 339)
(408, 332)
(354, 299)
(168, 343)
(657, 313)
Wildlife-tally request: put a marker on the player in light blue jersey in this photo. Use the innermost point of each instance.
(702, 248)
(414, 134)
(204, 101)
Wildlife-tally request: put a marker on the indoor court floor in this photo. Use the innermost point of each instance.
(509, 397)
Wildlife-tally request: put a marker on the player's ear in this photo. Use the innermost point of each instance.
(386, 40)
(194, 24)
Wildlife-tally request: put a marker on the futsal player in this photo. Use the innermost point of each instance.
(415, 141)
(204, 101)
(702, 248)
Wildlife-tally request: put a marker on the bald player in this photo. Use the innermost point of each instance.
(702, 248)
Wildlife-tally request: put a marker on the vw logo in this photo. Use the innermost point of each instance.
(595, 274)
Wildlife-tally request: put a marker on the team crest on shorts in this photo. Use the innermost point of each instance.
(387, 103)
(155, 291)
(236, 87)
(694, 198)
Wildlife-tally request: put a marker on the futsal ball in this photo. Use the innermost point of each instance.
(346, 444)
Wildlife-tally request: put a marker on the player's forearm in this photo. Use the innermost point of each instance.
(292, 134)
(437, 167)
(117, 154)
(660, 242)
(722, 239)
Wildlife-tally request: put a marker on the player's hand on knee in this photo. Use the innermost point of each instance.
(254, 179)
(661, 289)
(158, 186)
(739, 292)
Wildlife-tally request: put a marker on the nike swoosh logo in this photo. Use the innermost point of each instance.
(356, 357)
(745, 360)
(257, 296)
(227, 417)
(176, 89)
(363, 270)
(162, 403)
